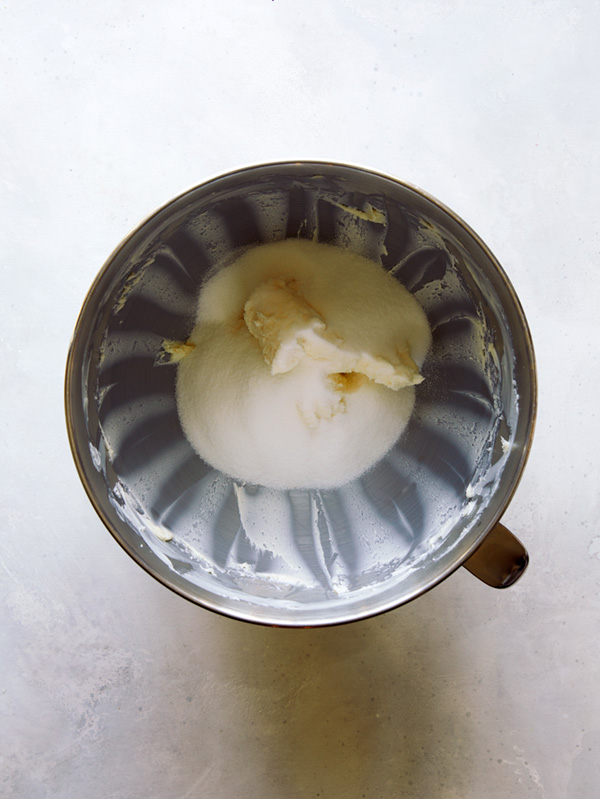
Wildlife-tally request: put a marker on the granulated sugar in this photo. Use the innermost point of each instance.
(304, 366)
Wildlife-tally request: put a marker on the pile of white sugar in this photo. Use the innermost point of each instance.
(303, 366)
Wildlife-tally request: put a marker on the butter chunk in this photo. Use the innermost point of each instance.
(289, 329)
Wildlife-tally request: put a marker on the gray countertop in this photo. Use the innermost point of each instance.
(115, 688)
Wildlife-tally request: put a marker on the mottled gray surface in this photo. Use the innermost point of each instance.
(114, 688)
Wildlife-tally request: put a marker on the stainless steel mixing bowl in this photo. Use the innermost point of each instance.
(305, 558)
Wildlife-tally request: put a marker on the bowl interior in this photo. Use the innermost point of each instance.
(301, 557)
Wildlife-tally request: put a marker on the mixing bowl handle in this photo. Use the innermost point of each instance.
(500, 559)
